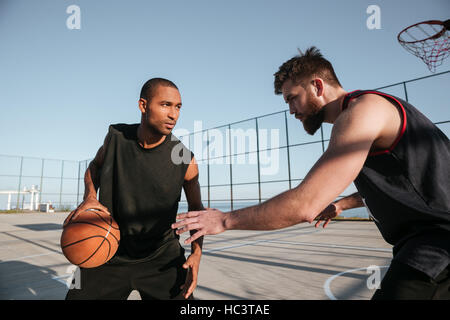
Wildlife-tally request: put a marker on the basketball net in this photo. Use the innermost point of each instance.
(428, 40)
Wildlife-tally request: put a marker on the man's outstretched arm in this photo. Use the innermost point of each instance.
(353, 135)
(334, 209)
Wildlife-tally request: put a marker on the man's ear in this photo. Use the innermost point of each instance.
(142, 105)
(318, 85)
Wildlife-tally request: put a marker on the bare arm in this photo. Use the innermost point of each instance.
(350, 202)
(353, 135)
(92, 175)
(354, 132)
(92, 183)
(191, 188)
(332, 173)
(334, 209)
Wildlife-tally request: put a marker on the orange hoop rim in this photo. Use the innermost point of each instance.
(437, 35)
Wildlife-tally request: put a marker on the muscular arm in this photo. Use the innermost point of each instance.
(91, 184)
(349, 145)
(193, 196)
(191, 188)
(92, 174)
(354, 132)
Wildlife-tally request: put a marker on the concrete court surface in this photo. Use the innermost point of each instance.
(296, 263)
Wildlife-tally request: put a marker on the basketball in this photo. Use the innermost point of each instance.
(90, 239)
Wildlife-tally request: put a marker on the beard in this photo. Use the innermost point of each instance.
(313, 121)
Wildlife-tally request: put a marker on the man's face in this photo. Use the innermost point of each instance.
(162, 111)
(304, 105)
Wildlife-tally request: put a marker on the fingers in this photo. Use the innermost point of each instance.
(326, 220)
(190, 289)
(191, 226)
(85, 206)
(190, 283)
(186, 222)
(317, 223)
(98, 207)
(189, 214)
(194, 237)
(72, 216)
(69, 217)
(91, 203)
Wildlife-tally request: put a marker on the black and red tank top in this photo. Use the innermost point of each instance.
(407, 187)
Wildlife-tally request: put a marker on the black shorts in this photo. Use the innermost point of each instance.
(403, 282)
(158, 276)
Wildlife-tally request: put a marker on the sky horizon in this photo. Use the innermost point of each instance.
(70, 68)
(62, 87)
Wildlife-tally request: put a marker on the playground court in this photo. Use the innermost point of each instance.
(296, 263)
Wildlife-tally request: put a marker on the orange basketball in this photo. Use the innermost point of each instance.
(90, 239)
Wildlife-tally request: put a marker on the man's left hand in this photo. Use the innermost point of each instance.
(192, 264)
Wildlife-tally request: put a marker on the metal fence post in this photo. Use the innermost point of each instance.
(20, 184)
(78, 184)
(231, 166)
(406, 91)
(42, 182)
(323, 141)
(61, 185)
(257, 157)
(207, 168)
(287, 149)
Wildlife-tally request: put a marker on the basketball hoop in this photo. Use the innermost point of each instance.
(428, 40)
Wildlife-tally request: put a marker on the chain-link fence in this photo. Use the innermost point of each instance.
(228, 184)
(240, 164)
(26, 182)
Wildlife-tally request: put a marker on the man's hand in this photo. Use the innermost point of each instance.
(210, 221)
(88, 203)
(192, 264)
(330, 212)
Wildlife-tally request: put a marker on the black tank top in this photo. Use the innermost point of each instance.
(407, 187)
(141, 188)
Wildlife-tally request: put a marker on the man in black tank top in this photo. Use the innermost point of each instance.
(141, 170)
(397, 158)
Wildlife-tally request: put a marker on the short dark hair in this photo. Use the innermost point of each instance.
(310, 63)
(148, 89)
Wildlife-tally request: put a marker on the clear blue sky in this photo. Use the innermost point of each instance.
(61, 88)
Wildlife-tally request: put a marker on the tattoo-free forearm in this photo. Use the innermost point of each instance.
(91, 181)
(352, 201)
(281, 211)
(196, 245)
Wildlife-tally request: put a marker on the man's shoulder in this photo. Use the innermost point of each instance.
(369, 116)
(370, 100)
(366, 107)
(123, 129)
(123, 126)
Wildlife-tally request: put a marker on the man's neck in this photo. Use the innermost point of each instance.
(333, 107)
(147, 138)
